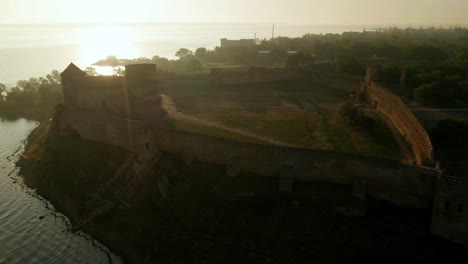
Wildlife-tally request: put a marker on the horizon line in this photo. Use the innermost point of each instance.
(383, 25)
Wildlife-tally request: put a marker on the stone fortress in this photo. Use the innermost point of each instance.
(128, 112)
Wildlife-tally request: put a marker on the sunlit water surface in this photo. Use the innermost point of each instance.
(34, 50)
(31, 231)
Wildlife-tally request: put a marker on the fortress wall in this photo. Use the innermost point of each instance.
(105, 94)
(219, 78)
(133, 135)
(386, 179)
(404, 120)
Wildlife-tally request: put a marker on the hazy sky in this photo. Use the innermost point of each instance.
(335, 12)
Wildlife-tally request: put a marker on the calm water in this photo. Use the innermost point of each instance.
(30, 230)
(34, 50)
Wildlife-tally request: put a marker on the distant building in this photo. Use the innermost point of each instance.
(241, 43)
(351, 35)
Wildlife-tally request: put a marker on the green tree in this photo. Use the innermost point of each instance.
(112, 61)
(278, 56)
(299, 59)
(183, 53)
(3, 92)
(90, 71)
(349, 64)
(200, 53)
(431, 94)
(425, 53)
(194, 65)
(2, 88)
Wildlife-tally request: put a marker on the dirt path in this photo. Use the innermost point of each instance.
(171, 109)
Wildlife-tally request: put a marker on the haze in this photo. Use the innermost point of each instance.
(331, 12)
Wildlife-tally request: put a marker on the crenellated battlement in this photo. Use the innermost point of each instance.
(393, 107)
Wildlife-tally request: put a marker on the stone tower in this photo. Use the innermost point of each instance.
(144, 99)
(72, 80)
(449, 214)
(372, 74)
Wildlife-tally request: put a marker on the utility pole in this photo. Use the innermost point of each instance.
(273, 32)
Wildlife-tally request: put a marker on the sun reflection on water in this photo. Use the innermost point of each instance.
(96, 43)
(104, 70)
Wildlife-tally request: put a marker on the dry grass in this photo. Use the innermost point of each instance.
(301, 113)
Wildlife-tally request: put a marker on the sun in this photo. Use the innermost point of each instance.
(98, 42)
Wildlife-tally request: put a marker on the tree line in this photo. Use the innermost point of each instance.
(34, 98)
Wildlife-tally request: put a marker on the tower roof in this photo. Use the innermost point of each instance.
(72, 70)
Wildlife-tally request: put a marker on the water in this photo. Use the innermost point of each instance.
(34, 50)
(24, 236)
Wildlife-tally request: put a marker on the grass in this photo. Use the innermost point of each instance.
(336, 132)
(187, 126)
(300, 112)
(381, 139)
(289, 127)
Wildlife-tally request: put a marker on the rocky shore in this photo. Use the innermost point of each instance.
(208, 217)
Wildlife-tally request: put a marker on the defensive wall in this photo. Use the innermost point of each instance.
(126, 112)
(220, 77)
(393, 107)
(131, 134)
(389, 180)
(135, 96)
(145, 134)
(450, 212)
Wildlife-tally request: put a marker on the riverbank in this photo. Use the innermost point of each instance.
(39, 173)
(208, 217)
(32, 230)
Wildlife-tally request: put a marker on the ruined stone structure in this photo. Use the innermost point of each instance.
(449, 214)
(241, 43)
(389, 180)
(220, 78)
(392, 106)
(116, 110)
(127, 112)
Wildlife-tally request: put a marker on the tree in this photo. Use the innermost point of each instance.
(449, 137)
(278, 56)
(200, 53)
(299, 59)
(112, 61)
(431, 94)
(119, 71)
(389, 51)
(183, 53)
(391, 74)
(2, 88)
(194, 65)
(425, 53)
(54, 77)
(349, 64)
(90, 71)
(3, 92)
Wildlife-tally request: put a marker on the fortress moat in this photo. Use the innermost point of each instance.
(148, 179)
